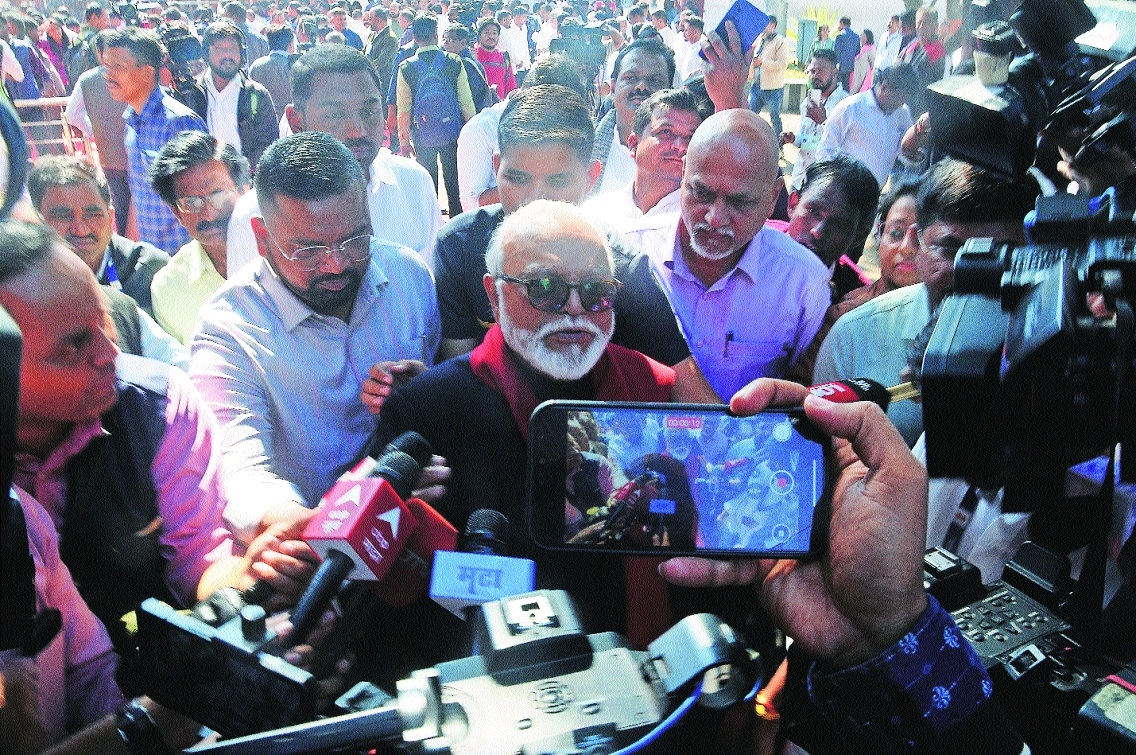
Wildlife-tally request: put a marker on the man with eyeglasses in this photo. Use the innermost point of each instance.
(282, 350)
(956, 201)
(550, 281)
(200, 178)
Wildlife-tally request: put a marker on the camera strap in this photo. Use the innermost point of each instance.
(962, 520)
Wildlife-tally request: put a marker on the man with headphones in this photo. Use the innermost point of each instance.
(237, 109)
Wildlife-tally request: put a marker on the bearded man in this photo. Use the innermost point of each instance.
(550, 282)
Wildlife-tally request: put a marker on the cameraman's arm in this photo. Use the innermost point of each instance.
(890, 668)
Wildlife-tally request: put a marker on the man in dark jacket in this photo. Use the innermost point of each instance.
(237, 109)
(74, 199)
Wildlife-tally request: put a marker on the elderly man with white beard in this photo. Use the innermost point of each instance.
(550, 283)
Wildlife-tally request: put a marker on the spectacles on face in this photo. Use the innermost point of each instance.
(194, 205)
(309, 258)
(550, 293)
(895, 233)
(946, 250)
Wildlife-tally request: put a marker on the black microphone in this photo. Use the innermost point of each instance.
(480, 573)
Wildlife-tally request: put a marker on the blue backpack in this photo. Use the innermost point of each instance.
(437, 114)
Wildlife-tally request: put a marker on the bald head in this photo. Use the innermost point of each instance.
(729, 187)
(737, 137)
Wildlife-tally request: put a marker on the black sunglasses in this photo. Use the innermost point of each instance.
(550, 293)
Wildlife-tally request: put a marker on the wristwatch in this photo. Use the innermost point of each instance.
(138, 730)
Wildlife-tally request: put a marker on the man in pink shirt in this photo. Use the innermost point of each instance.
(119, 450)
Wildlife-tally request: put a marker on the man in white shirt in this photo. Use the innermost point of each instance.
(335, 90)
(814, 114)
(661, 132)
(237, 110)
(642, 68)
(686, 52)
(888, 49)
(659, 20)
(870, 125)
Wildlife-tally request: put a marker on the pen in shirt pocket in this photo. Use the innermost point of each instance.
(729, 339)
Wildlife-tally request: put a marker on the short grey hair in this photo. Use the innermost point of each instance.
(536, 216)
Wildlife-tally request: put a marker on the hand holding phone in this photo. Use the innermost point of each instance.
(866, 589)
(675, 479)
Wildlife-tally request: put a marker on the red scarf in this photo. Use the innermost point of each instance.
(620, 375)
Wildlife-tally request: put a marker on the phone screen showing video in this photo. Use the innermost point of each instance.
(643, 479)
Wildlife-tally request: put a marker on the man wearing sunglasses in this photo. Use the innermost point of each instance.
(282, 350)
(200, 178)
(550, 282)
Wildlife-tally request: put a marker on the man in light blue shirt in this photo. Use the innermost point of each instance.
(285, 346)
(749, 298)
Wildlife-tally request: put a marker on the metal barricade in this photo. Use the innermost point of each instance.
(48, 132)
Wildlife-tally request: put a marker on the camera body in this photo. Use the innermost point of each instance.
(1073, 80)
(227, 677)
(539, 684)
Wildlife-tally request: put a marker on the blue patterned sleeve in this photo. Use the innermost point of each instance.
(912, 693)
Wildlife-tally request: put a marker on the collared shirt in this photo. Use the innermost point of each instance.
(858, 127)
(284, 381)
(619, 170)
(872, 341)
(72, 679)
(400, 196)
(888, 50)
(187, 479)
(477, 144)
(618, 209)
(753, 322)
(162, 118)
(181, 287)
(222, 109)
(810, 134)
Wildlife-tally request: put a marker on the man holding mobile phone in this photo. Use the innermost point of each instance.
(887, 668)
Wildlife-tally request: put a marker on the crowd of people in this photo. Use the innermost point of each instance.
(253, 282)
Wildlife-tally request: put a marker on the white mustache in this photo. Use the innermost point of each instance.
(569, 322)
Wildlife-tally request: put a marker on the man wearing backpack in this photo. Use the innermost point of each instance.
(434, 100)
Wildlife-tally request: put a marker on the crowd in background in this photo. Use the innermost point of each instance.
(343, 222)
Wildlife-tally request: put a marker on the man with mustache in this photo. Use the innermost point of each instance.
(132, 61)
(550, 281)
(200, 179)
(660, 134)
(749, 299)
(237, 109)
(335, 89)
(641, 69)
(74, 198)
(282, 349)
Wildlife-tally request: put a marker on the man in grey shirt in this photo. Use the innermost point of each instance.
(284, 347)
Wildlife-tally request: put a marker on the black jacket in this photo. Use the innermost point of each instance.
(258, 123)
